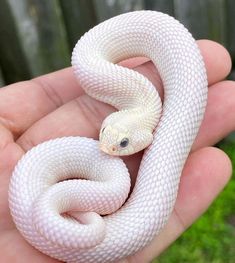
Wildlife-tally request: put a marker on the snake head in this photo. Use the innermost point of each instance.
(121, 134)
(115, 141)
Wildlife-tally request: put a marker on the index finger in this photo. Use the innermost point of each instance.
(24, 103)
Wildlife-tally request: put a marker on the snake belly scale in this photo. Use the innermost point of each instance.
(46, 206)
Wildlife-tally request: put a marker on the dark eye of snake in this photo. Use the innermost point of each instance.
(124, 142)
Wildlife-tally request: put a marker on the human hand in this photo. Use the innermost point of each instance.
(54, 106)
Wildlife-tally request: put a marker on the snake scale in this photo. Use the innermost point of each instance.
(66, 196)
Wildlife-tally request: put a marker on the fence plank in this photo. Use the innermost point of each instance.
(79, 17)
(42, 34)
(204, 18)
(160, 5)
(1, 79)
(230, 12)
(38, 35)
(232, 75)
(109, 8)
(12, 59)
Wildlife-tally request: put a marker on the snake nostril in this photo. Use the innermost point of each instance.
(113, 148)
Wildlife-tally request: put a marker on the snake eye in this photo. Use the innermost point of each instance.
(124, 142)
(102, 130)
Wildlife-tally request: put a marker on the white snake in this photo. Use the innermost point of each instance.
(47, 208)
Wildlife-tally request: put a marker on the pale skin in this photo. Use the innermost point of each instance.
(54, 105)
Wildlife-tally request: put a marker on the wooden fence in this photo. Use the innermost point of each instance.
(37, 36)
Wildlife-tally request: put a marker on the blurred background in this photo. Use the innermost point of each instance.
(37, 37)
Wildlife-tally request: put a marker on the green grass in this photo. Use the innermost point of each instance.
(212, 237)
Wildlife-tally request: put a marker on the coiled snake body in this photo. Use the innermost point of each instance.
(46, 206)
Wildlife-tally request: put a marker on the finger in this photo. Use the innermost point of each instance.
(218, 65)
(205, 174)
(80, 117)
(24, 103)
(6, 137)
(8, 159)
(219, 119)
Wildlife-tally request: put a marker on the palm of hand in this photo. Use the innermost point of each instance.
(54, 106)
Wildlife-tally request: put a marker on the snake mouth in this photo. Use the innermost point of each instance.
(103, 148)
(107, 149)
